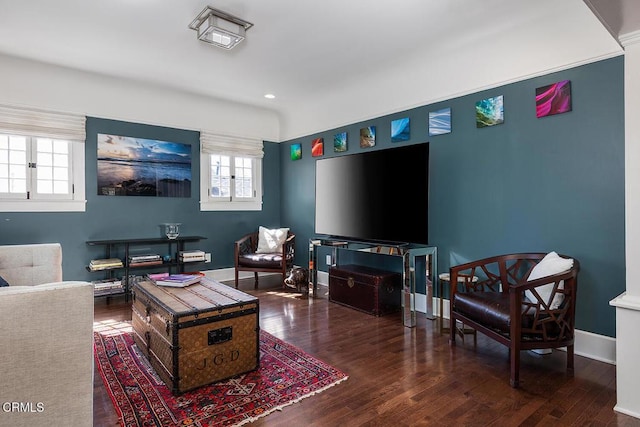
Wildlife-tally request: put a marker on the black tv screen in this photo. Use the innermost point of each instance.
(380, 195)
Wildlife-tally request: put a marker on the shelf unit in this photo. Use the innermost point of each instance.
(124, 246)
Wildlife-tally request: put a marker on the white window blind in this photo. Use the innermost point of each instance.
(41, 123)
(211, 143)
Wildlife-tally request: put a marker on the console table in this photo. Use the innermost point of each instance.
(417, 260)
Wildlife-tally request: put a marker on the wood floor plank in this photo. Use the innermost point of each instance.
(410, 376)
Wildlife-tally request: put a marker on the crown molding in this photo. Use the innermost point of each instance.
(629, 39)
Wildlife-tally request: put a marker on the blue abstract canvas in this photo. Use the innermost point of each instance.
(400, 130)
(440, 122)
(340, 142)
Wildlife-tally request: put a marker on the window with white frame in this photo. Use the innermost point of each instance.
(41, 161)
(231, 175)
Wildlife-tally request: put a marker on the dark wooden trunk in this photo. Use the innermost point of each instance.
(366, 289)
(197, 335)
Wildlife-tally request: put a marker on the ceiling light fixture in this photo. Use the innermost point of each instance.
(219, 28)
(270, 96)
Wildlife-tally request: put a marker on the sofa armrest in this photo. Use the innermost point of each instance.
(46, 357)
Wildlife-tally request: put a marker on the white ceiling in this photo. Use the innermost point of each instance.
(329, 62)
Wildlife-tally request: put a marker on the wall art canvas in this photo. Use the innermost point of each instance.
(490, 112)
(553, 99)
(340, 142)
(440, 122)
(296, 151)
(129, 166)
(317, 147)
(400, 130)
(368, 137)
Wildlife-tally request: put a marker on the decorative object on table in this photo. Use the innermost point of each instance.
(171, 229)
(400, 130)
(286, 375)
(299, 280)
(317, 147)
(440, 122)
(368, 137)
(490, 112)
(296, 151)
(340, 142)
(129, 166)
(553, 99)
(174, 280)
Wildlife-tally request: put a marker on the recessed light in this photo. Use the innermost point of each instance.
(270, 96)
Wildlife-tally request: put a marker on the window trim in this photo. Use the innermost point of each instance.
(208, 203)
(77, 202)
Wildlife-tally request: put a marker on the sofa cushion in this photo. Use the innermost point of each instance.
(3, 282)
(551, 264)
(271, 240)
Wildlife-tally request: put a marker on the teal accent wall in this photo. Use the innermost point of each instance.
(554, 183)
(114, 217)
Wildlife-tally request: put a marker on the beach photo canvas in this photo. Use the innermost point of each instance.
(129, 166)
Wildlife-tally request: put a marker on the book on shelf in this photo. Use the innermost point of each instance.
(144, 258)
(103, 264)
(175, 280)
(145, 263)
(191, 256)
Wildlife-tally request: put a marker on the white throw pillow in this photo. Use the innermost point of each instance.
(551, 264)
(271, 240)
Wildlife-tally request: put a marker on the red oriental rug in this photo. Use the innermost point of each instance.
(286, 375)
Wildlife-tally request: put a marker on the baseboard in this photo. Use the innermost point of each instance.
(588, 344)
(624, 411)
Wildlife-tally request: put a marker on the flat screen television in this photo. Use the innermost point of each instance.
(380, 195)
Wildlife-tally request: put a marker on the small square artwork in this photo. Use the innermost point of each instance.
(490, 112)
(400, 130)
(317, 147)
(340, 142)
(440, 122)
(553, 99)
(368, 137)
(296, 151)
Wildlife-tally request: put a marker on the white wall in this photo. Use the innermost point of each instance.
(35, 84)
(628, 304)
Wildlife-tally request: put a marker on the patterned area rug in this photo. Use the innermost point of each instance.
(286, 375)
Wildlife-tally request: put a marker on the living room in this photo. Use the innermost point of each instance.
(529, 184)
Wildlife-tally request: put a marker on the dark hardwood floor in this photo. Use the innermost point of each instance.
(410, 376)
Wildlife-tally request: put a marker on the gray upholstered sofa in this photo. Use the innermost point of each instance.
(46, 340)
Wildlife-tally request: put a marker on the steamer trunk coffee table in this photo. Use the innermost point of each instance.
(196, 335)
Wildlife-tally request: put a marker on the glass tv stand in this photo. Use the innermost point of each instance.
(418, 261)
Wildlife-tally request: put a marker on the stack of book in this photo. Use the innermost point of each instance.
(105, 264)
(143, 260)
(107, 286)
(191, 256)
(175, 280)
